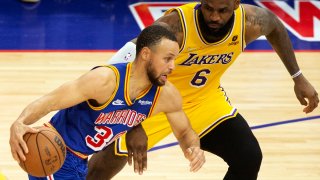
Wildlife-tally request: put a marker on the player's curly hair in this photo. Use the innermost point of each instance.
(152, 35)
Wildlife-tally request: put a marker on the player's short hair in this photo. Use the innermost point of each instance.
(152, 36)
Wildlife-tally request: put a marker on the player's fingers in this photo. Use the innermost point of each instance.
(314, 105)
(20, 153)
(24, 147)
(196, 158)
(22, 144)
(140, 163)
(135, 162)
(194, 153)
(311, 106)
(129, 159)
(302, 100)
(188, 154)
(197, 163)
(145, 160)
(317, 98)
(18, 145)
(197, 166)
(15, 155)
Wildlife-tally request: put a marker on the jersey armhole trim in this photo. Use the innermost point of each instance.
(98, 108)
(184, 28)
(155, 100)
(243, 28)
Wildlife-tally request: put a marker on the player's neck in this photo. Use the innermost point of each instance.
(210, 35)
(139, 80)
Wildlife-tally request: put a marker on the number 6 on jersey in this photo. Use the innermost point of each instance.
(199, 78)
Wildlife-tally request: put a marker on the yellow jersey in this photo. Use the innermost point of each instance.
(199, 67)
(201, 64)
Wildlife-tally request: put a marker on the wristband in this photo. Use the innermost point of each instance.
(296, 74)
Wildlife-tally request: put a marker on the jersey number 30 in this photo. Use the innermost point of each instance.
(99, 141)
(200, 78)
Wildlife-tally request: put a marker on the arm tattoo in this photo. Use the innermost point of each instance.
(261, 20)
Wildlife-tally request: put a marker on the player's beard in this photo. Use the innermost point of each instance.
(217, 32)
(153, 77)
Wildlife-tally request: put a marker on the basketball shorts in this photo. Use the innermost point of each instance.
(204, 116)
(73, 168)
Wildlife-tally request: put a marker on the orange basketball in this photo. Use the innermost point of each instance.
(47, 152)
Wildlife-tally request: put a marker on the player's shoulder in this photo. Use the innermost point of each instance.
(102, 76)
(254, 10)
(169, 89)
(170, 97)
(169, 18)
(186, 8)
(248, 7)
(105, 72)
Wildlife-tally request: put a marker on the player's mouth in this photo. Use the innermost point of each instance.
(214, 25)
(164, 77)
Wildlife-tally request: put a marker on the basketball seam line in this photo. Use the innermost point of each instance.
(40, 154)
(54, 146)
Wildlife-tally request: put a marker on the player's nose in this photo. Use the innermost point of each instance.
(215, 16)
(171, 65)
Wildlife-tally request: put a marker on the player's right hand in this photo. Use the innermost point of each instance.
(137, 144)
(196, 157)
(18, 145)
(306, 94)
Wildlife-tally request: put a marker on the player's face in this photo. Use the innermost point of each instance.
(217, 13)
(161, 61)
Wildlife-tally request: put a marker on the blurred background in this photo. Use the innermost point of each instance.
(108, 24)
(44, 43)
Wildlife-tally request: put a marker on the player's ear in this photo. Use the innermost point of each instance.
(145, 53)
(236, 4)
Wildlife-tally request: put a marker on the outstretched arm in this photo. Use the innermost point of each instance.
(187, 138)
(170, 102)
(260, 22)
(78, 91)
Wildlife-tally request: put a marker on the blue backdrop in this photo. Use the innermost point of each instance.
(108, 24)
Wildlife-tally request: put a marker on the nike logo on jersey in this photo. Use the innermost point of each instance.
(208, 59)
(118, 102)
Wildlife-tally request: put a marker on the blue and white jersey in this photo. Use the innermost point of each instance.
(87, 129)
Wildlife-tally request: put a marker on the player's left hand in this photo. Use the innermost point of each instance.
(18, 145)
(137, 144)
(304, 90)
(196, 157)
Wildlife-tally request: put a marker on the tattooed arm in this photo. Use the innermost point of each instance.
(260, 22)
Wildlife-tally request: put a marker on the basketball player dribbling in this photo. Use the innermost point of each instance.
(211, 35)
(108, 101)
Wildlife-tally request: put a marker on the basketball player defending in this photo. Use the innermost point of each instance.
(211, 35)
(108, 101)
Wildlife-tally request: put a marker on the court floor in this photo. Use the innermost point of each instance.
(257, 84)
